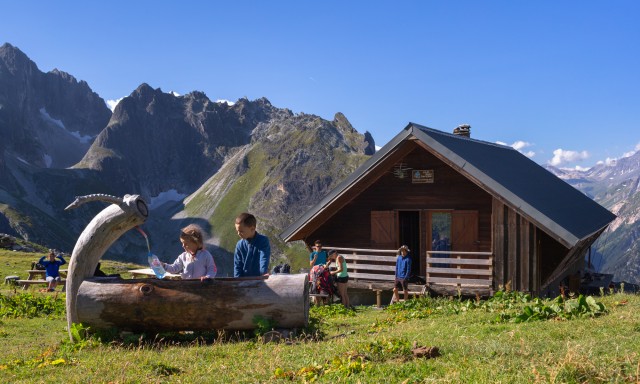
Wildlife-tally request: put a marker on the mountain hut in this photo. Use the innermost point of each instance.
(476, 215)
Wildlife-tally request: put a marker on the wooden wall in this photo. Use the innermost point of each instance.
(351, 225)
(516, 250)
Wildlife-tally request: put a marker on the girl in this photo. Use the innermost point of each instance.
(195, 262)
(341, 275)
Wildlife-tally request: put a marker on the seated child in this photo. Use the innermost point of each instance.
(195, 262)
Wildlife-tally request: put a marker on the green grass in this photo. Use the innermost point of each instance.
(476, 345)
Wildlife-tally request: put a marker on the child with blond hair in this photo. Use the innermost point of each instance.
(195, 262)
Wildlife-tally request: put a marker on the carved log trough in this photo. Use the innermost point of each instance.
(151, 305)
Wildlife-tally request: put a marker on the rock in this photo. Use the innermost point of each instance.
(426, 352)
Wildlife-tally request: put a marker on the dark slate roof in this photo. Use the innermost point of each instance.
(521, 183)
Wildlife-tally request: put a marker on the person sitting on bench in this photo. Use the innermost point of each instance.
(52, 269)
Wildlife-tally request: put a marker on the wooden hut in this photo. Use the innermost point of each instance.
(476, 216)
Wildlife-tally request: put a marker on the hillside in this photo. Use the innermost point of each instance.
(615, 186)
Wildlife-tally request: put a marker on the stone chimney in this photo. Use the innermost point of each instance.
(463, 130)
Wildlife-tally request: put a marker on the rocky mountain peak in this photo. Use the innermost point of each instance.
(370, 149)
(48, 119)
(15, 60)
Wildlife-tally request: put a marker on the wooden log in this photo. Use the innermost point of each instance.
(151, 305)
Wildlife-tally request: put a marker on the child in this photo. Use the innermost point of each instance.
(252, 254)
(52, 267)
(195, 262)
(341, 275)
(403, 271)
(319, 256)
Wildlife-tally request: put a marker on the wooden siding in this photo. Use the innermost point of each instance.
(350, 226)
(515, 250)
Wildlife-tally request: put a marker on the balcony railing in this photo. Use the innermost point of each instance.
(369, 264)
(475, 269)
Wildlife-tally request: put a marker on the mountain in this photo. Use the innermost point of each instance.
(615, 186)
(46, 119)
(192, 159)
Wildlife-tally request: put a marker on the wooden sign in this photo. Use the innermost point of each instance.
(422, 176)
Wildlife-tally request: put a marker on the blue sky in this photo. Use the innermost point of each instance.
(558, 79)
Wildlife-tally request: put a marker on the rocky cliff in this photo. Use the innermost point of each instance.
(46, 119)
(192, 159)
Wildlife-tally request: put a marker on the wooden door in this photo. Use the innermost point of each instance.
(384, 229)
(464, 231)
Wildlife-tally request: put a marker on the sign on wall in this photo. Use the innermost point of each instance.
(422, 176)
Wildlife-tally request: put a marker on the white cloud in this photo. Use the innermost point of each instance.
(174, 93)
(562, 156)
(631, 153)
(229, 103)
(529, 154)
(519, 146)
(112, 103)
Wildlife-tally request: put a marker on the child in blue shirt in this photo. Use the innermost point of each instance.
(253, 251)
(403, 272)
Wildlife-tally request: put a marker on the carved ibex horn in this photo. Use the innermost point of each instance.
(105, 228)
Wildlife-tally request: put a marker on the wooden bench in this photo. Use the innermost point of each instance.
(25, 284)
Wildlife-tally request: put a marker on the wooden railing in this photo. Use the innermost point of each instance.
(380, 264)
(369, 264)
(476, 270)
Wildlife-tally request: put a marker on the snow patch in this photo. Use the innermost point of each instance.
(47, 160)
(46, 117)
(163, 197)
(23, 160)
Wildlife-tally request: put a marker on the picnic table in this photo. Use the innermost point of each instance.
(148, 272)
(37, 276)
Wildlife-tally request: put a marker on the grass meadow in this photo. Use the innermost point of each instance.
(507, 339)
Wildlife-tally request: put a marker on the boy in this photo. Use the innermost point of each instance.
(319, 256)
(403, 271)
(52, 267)
(252, 254)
